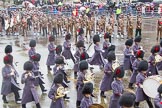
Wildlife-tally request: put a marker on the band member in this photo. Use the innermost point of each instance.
(152, 69)
(97, 58)
(83, 66)
(54, 27)
(51, 55)
(127, 100)
(8, 50)
(24, 25)
(67, 48)
(159, 29)
(139, 57)
(89, 28)
(108, 76)
(80, 46)
(138, 26)
(44, 25)
(58, 51)
(157, 100)
(106, 44)
(29, 91)
(38, 80)
(120, 28)
(81, 35)
(9, 84)
(32, 51)
(140, 95)
(57, 99)
(87, 98)
(127, 55)
(130, 30)
(59, 68)
(117, 87)
(59, 23)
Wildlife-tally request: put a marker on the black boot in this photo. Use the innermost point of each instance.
(38, 105)
(4, 99)
(75, 75)
(78, 104)
(23, 105)
(149, 104)
(136, 105)
(131, 86)
(102, 94)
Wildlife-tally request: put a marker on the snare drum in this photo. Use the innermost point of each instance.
(151, 84)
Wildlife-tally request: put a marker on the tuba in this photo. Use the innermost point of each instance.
(115, 64)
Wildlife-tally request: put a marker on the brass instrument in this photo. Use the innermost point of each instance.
(115, 64)
(158, 58)
(89, 76)
(60, 91)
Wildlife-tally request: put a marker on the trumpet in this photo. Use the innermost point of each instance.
(115, 64)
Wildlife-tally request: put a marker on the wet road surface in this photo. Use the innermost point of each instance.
(21, 55)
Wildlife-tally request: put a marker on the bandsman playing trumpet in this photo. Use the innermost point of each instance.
(54, 94)
(108, 76)
(153, 60)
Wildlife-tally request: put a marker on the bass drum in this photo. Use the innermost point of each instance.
(151, 84)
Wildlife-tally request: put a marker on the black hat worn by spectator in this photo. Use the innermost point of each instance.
(83, 65)
(111, 56)
(137, 39)
(60, 60)
(119, 72)
(143, 66)
(140, 54)
(58, 79)
(129, 42)
(127, 100)
(87, 88)
(36, 57)
(8, 59)
(8, 49)
(32, 43)
(155, 49)
(28, 66)
(58, 49)
(96, 39)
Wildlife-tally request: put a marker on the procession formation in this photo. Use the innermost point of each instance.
(143, 75)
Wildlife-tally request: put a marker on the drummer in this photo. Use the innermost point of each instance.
(140, 95)
(158, 99)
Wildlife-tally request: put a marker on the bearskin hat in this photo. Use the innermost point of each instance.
(8, 49)
(59, 60)
(140, 54)
(28, 66)
(137, 39)
(119, 72)
(51, 38)
(32, 43)
(80, 31)
(80, 44)
(129, 42)
(96, 38)
(68, 36)
(8, 59)
(84, 56)
(83, 65)
(36, 57)
(58, 49)
(111, 56)
(87, 88)
(143, 66)
(155, 49)
(107, 35)
(160, 89)
(127, 100)
(111, 48)
(58, 78)
(96, 106)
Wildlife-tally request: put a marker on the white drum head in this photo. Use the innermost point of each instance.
(150, 87)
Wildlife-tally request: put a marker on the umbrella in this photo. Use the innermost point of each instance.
(60, 4)
(82, 8)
